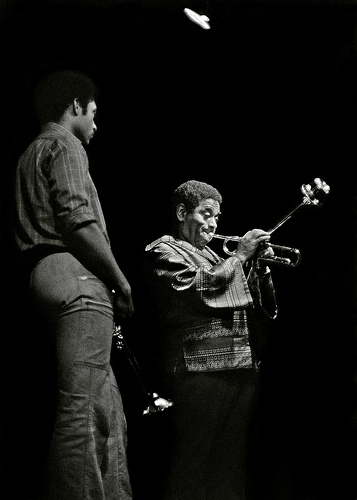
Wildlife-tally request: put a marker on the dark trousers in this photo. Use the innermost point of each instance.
(211, 420)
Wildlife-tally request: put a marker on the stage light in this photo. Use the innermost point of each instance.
(201, 20)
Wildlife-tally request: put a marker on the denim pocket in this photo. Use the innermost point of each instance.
(94, 294)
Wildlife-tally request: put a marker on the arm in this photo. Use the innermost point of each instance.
(259, 279)
(80, 221)
(186, 277)
(88, 244)
(262, 289)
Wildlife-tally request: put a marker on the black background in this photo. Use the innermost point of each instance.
(260, 104)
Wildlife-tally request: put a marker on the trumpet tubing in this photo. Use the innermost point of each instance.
(283, 256)
(289, 257)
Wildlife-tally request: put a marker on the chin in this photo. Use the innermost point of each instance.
(201, 244)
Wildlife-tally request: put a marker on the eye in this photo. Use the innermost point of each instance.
(208, 215)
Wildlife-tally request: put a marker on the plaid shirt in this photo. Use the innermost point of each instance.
(202, 302)
(54, 190)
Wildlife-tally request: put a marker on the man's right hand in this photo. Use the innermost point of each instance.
(250, 243)
(123, 305)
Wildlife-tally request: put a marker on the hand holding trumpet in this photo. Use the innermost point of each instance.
(250, 243)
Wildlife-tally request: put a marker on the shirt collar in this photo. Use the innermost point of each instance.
(53, 126)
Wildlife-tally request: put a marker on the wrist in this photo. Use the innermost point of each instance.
(241, 257)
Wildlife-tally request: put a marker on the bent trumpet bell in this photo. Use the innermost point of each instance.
(314, 194)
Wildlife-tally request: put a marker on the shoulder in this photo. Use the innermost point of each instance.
(160, 244)
(57, 137)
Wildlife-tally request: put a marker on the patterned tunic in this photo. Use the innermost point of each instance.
(202, 303)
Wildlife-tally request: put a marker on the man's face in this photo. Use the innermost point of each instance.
(85, 126)
(199, 226)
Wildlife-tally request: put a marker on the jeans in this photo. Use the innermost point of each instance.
(87, 457)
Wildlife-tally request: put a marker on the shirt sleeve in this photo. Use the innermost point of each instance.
(70, 186)
(195, 283)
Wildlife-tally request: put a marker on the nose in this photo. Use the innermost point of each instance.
(213, 223)
(94, 127)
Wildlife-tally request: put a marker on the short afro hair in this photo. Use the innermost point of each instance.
(191, 193)
(57, 91)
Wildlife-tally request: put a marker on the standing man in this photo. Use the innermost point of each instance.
(78, 288)
(206, 308)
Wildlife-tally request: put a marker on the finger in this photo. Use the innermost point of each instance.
(267, 252)
(259, 232)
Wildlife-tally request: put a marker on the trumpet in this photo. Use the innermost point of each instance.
(314, 194)
(284, 256)
(155, 402)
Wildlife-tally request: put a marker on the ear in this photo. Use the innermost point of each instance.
(181, 212)
(76, 107)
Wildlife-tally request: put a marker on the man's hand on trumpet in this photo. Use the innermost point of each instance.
(253, 240)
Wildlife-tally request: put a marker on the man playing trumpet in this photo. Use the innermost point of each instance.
(207, 308)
